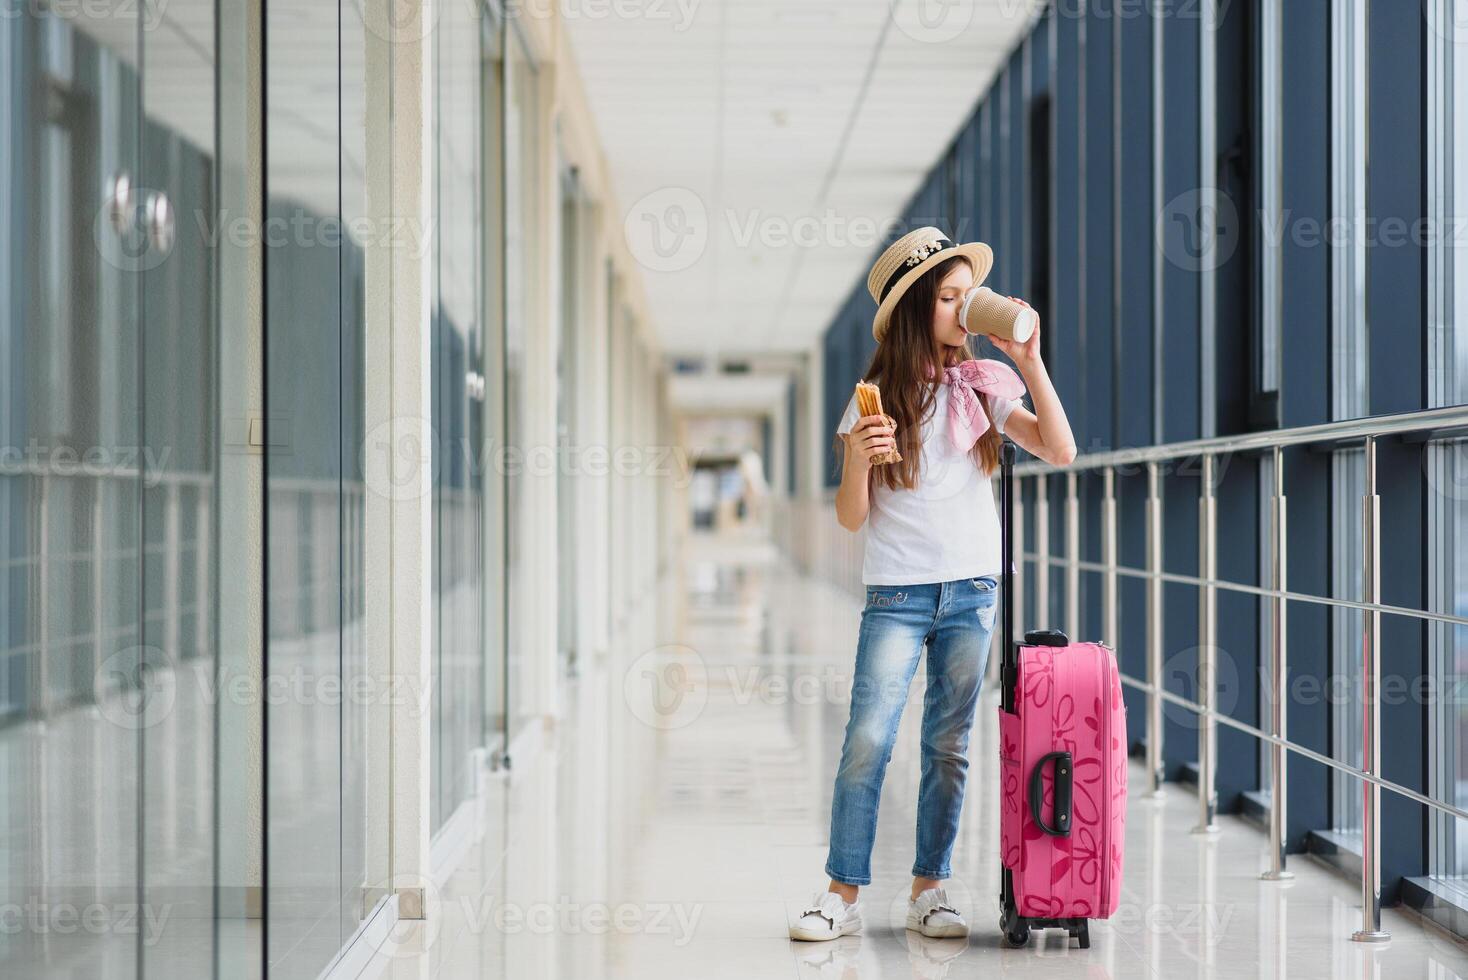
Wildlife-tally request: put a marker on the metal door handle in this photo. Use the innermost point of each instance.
(159, 217)
(120, 204)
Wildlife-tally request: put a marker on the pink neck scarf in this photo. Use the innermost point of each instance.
(966, 418)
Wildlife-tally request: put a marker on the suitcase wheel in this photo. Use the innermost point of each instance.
(1082, 931)
(1015, 928)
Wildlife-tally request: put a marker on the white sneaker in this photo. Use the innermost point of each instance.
(828, 917)
(932, 915)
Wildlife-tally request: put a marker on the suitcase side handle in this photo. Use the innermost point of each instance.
(1064, 780)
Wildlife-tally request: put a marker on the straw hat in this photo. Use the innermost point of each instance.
(906, 259)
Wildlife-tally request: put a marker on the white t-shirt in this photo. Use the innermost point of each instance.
(945, 529)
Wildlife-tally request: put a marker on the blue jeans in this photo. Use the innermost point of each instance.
(955, 620)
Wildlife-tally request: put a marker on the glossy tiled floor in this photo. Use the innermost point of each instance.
(680, 818)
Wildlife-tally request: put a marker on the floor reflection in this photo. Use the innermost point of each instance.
(679, 818)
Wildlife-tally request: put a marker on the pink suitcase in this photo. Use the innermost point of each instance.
(1063, 765)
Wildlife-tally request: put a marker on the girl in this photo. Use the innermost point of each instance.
(932, 559)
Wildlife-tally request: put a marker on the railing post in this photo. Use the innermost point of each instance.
(1072, 558)
(1042, 552)
(41, 695)
(1108, 556)
(1370, 931)
(1278, 800)
(1155, 772)
(1207, 637)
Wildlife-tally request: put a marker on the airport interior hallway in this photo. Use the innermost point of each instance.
(715, 756)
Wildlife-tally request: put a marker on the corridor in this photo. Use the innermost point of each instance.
(443, 446)
(716, 821)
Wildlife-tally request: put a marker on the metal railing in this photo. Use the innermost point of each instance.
(1432, 424)
(62, 658)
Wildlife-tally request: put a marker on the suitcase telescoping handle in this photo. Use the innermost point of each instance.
(1008, 658)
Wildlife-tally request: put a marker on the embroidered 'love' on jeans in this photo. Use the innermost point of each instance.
(955, 620)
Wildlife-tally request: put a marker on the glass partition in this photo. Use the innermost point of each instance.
(322, 700)
(522, 245)
(71, 650)
(108, 460)
(460, 390)
(178, 339)
(492, 407)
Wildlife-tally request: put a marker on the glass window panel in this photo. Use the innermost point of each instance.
(458, 398)
(74, 686)
(305, 327)
(1447, 462)
(522, 244)
(179, 336)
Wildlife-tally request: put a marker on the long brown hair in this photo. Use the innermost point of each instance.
(904, 367)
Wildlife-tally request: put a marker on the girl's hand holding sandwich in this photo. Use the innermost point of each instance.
(871, 437)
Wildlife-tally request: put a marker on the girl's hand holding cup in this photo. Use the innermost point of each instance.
(1010, 323)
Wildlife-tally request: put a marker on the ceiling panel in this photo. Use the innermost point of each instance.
(759, 147)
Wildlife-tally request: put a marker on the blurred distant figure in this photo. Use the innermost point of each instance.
(755, 489)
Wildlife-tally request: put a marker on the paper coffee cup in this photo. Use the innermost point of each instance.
(986, 312)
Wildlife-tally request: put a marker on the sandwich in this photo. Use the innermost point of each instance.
(869, 402)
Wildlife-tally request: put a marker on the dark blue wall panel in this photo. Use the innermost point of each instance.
(1184, 252)
(1134, 371)
(1066, 322)
(1098, 351)
(1305, 197)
